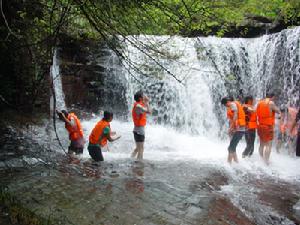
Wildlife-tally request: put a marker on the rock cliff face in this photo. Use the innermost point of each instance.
(88, 81)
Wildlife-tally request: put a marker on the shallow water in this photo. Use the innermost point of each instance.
(167, 144)
(183, 179)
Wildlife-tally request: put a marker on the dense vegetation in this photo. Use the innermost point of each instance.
(30, 29)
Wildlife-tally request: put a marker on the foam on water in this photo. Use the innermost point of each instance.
(164, 144)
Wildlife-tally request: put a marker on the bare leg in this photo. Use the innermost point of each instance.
(235, 157)
(141, 150)
(136, 150)
(229, 158)
(291, 146)
(261, 149)
(267, 152)
(278, 145)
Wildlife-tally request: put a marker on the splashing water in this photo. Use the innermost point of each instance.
(168, 145)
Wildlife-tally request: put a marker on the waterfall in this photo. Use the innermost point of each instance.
(57, 84)
(185, 78)
(174, 80)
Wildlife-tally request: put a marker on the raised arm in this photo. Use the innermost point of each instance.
(274, 108)
(63, 117)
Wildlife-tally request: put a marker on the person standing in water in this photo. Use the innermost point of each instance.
(266, 110)
(237, 126)
(281, 137)
(73, 126)
(99, 136)
(251, 125)
(292, 132)
(139, 116)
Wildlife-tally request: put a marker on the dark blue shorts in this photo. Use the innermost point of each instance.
(95, 152)
(138, 137)
(237, 136)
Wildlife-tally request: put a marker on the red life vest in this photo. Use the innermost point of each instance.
(265, 115)
(75, 132)
(139, 120)
(97, 137)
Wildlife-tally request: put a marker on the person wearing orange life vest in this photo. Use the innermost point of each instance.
(99, 136)
(288, 132)
(251, 125)
(282, 129)
(266, 110)
(73, 126)
(237, 126)
(139, 116)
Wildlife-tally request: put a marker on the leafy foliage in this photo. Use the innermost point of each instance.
(30, 29)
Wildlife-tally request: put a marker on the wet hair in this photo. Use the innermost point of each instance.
(138, 95)
(224, 100)
(107, 115)
(65, 112)
(230, 98)
(270, 95)
(248, 98)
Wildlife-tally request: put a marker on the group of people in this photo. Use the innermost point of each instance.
(244, 119)
(102, 132)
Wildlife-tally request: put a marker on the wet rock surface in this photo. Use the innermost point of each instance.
(124, 191)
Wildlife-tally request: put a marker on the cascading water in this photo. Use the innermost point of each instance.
(60, 104)
(185, 79)
(57, 84)
(207, 69)
(175, 81)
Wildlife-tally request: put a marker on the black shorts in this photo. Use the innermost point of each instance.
(95, 152)
(72, 148)
(77, 151)
(138, 137)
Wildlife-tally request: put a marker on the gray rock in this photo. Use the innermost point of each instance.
(14, 163)
(296, 209)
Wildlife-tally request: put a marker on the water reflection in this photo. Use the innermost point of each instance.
(135, 183)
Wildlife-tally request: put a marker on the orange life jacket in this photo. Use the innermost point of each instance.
(252, 119)
(241, 117)
(97, 137)
(139, 120)
(264, 114)
(75, 132)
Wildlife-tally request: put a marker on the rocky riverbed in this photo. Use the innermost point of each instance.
(43, 184)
